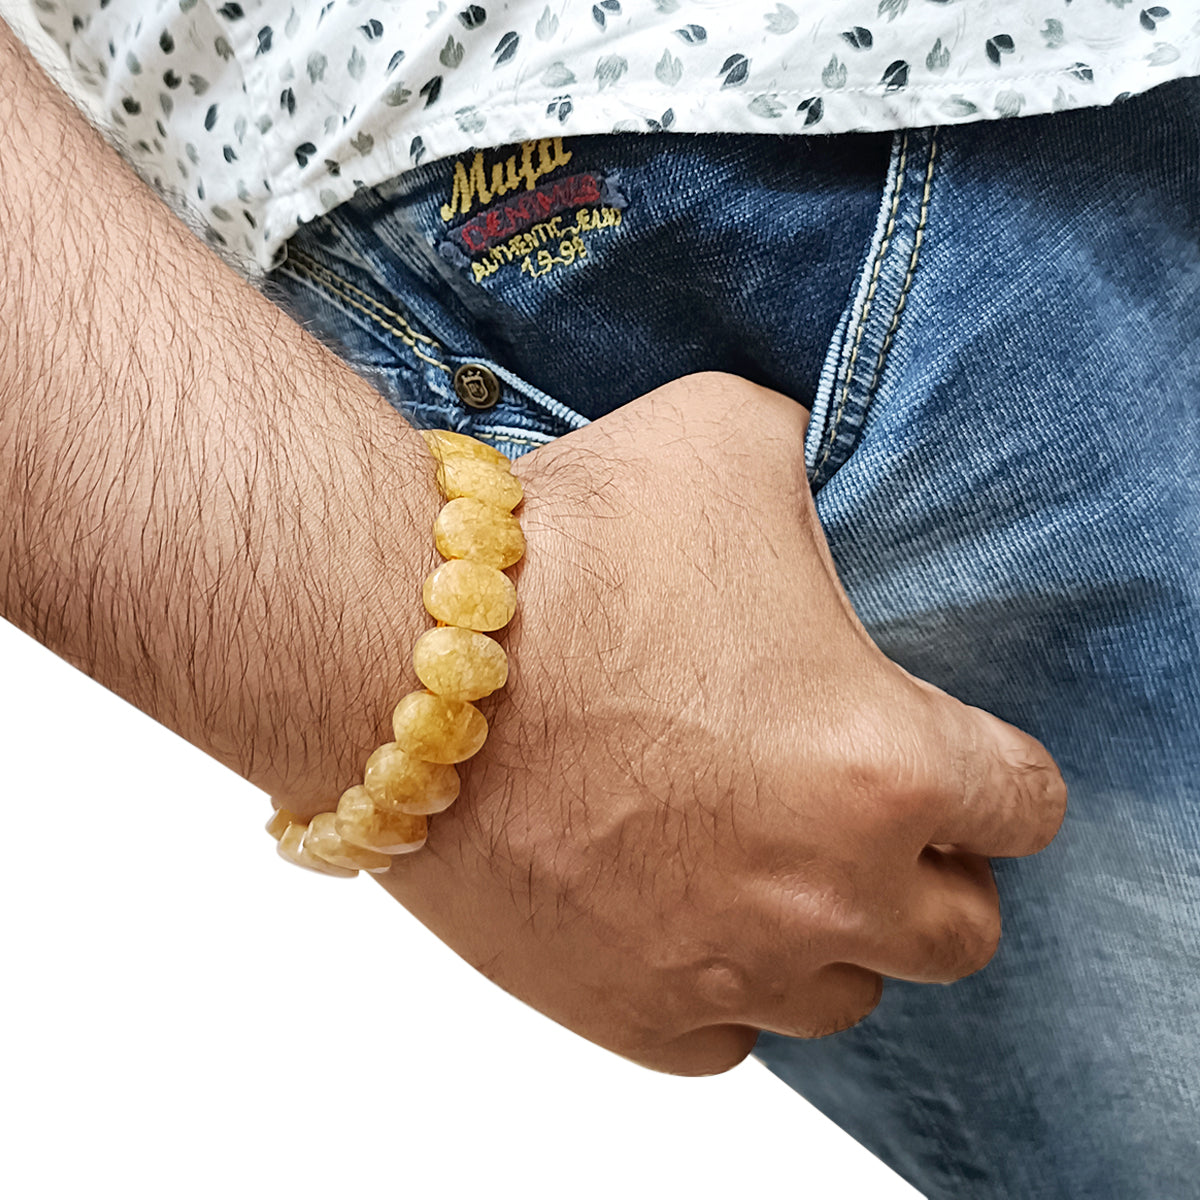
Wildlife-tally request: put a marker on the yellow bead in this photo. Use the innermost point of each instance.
(360, 821)
(437, 730)
(486, 482)
(465, 528)
(471, 595)
(398, 781)
(460, 664)
(322, 840)
(280, 820)
(291, 847)
(443, 445)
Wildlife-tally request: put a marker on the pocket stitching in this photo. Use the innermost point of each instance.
(340, 288)
(866, 309)
(918, 238)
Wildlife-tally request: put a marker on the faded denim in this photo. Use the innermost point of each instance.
(998, 329)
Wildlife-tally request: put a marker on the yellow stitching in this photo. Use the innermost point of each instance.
(399, 333)
(912, 265)
(862, 321)
(313, 265)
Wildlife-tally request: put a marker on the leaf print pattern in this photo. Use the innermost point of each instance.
(938, 59)
(999, 45)
(766, 106)
(1052, 31)
(669, 70)
(547, 26)
(357, 77)
(601, 11)
(506, 48)
(610, 69)
(558, 74)
(736, 69)
(1162, 54)
(835, 74)
(782, 20)
(813, 109)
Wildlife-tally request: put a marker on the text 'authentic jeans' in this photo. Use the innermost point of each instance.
(998, 329)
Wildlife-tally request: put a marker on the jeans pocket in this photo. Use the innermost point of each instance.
(417, 357)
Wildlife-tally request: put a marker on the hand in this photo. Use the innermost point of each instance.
(708, 804)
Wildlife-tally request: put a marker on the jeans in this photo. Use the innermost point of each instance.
(997, 327)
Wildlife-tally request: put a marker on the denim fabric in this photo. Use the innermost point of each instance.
(998, 330)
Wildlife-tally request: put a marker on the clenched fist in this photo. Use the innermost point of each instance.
(708, 804)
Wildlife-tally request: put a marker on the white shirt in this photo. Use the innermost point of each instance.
(262, 114)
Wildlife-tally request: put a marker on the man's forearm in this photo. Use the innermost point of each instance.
(203, 508)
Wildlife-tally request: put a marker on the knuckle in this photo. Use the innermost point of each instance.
(851, 1009)
(711, 1050)
(973, 940)
(889, 764)
(958, 945)
(722, 987)
(1048, 802)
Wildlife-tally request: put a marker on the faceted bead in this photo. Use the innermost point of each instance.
(443, 445)
(471, 595)
(280, 820)
(460, 664)
(322, 840)
(486, 482)
(465, 528)
(362, 822)
(291, 847)
(398, 781)
(437, 730)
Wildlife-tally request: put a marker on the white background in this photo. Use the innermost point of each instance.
(185, 1015)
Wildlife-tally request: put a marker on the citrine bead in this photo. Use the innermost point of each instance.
(399, 781)
(291, 847)
(483, 481)
(444, 444)
(280, 820)
(460, 664)
(438, 730)
(322, 839)
(360, 821)
(465, 528)
(471, 595)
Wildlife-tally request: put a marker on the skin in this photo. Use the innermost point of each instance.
(707, 805)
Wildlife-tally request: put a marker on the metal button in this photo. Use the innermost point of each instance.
(476, 386)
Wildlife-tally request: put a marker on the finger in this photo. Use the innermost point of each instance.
(707, 1051)
(834, 998)
(950, 927)
(1002, 794)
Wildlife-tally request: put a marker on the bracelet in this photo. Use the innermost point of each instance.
(470, 596)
